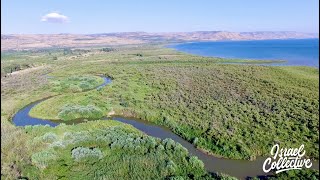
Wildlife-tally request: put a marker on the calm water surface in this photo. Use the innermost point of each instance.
(303, 52)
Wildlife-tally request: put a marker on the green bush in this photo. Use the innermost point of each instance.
(168, 143)
(49, 137)
(43, 158)
(84, 153)
(305, 174)
(176, 178)
(108, 49)
(195, 162)
(171, 167)
(75, 83)
(57, 144)
(71, 112)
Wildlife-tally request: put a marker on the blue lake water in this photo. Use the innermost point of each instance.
(303, 52)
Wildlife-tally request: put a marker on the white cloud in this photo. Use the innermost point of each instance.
(55, 18)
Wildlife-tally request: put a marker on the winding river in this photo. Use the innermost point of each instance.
(241, 169)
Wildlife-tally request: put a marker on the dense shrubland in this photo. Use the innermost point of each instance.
(70, 112)
(89, 105)
(235, 111)
(232, 110)
(75, 83)
(113, 150)
(14, 152)
(307, 174)
(297, 174)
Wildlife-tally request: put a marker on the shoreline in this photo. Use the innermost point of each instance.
(205, 51)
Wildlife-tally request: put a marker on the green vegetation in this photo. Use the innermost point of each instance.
(84, 105)
(90, 105)
(109, 150)
(14, 152)
(75, 83)
(293, 174)
(108, 49)
(231, 110)
(224, 109)
(70, 112)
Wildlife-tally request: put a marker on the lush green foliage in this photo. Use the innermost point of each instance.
(15, 154)
(307, 174)
(70, 112)
(110, 150)
(90, 105)
(43, 158)
(220, 112)
(49, 137)
(235, 111)
(75, 83)
(84, 153)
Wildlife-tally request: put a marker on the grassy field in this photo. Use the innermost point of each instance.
(235, 111)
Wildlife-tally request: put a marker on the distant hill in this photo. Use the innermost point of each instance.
(33, 41)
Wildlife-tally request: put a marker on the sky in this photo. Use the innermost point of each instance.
(105, 16)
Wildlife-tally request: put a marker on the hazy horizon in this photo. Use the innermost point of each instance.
(156, 32)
